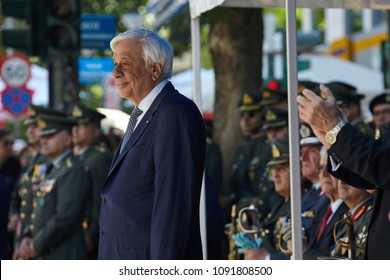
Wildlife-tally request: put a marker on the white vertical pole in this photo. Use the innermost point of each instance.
(292, 89)
(197, 96)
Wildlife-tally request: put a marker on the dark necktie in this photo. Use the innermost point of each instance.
(323, 223)
(130, 127)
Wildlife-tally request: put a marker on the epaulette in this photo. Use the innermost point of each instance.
(359, 213)
(69, 163)
(100, 149)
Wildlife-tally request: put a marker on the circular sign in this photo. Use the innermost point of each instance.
(16, 100)
(16, 70)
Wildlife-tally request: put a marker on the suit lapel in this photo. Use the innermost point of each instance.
(141, 126)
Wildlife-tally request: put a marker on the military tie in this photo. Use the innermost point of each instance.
(130, 127)
(324, 222)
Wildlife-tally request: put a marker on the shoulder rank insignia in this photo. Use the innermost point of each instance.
(69, 163)
(100, 149)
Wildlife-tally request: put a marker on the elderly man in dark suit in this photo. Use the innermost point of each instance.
(150, 200)
(355, 159)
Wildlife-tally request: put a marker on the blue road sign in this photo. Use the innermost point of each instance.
(92, 70)
(97, 31)
(16, 100)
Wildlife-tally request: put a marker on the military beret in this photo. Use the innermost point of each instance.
(280, 153)
(51, 124)
(33, 111)
(83, 114)
(274, 118)
(307, 136)
(249, 103)
(272, 96)
(383, 98)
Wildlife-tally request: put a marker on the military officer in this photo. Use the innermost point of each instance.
(97, 158)
(360, 204)
(21, 205)
(380, 110)
(59, 200)
(275, 127)
(250, 125)
(279, 215)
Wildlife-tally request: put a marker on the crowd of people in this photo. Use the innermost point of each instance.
(72, 194)
(336, 214)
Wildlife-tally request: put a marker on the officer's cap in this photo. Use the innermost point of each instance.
(344, 93)
(83, 114)
(307, 136)
(51, 124)
(280, 153)
(383, 98)
(33, 111)
(249, 103)
(306, 84)
(272, 96)
(275, 118)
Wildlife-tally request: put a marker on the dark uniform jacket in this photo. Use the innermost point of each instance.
(21, 204)
(58, 207)
(365, 164)
(360, 218)
(98, 160)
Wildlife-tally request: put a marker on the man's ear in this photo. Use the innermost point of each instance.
(156, 71)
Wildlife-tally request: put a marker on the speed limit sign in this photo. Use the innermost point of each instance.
(15, 70)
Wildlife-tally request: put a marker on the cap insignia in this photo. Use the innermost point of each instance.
(270, 116)
(76, 112)
(275, 151)
(304, 131)
(247, 99)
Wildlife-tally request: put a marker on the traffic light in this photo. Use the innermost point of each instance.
(385, 53)
(62, 29)
(26, 37)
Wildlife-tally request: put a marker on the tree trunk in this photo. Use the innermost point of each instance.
(236, 39)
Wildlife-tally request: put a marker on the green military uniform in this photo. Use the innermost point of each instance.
(34, 173)
(240, 185)
(280, 212)
(31, 178)
(59, 202)
(360, 217)
(97, 158)
(258, 169)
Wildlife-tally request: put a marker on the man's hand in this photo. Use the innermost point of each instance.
(26, 250)
(322, 114)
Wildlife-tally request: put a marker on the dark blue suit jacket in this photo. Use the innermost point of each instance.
(150, 200)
